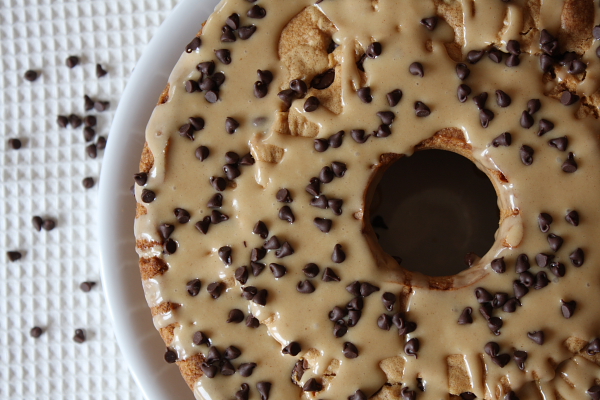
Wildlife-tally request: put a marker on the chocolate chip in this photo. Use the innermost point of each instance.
(594, 392)
(321, 145)
(148, 196)
(227, 35)
(519, 289)
(358, 395)
(338, 255)
(216, 217)
(261, 230)
(568, 308)
(387, 117)
(485, 117)
(299, 87)
(231, 171)
(261, 297)
(235, 317)
(495, 324)
(260, 89)
(14, 144)
(214, 289)
(324, 80)
(312, 385)
(170, 246)
(272, 244)
(227, 369)
(356, 303)
(394, 97)
(101, 143)
(483, 296)
(389, 299)
(218, 183)
(210, 371)
(258, 253)
(416, 69)
(245, 32)
(430, 23)
(350, 350)
(292, 349)
(88, 102)
(30, 75)
(576, 67)
(366, 289)
(305, 287)
(329, 275)
(480, 100)
(86, 287)
(570, 165)
(203, 225)
(256, 12)
(264, 388)
(13, 255)
(593, 347)
(191, 86)
(502, 99)
(546, 63)
(463, 92)
(37, 223)
(247, 159)
(323, 224)
(474, 56)
(560, 143)
(408, 394)
(311, 270)
(224, 55)
(202, 153)
(249, 292)
(79, 336)
(311, 104)
(421, 109)
(382, 131)
(577, 257)
(364, 94)
(63, 121)
(251, 322)
(567, 98)
(526, 153)
(411, 348)
(462, 71)
(193, 45)
(241, 275)
(511, 305)
(36, 332)
(558, 269)
(495, 55)
(501, 360)
(246, 369)
(536, 336)
(225, 254)
(543, 260)
(340, 329)
(541, 280)
(511, 396)
(170, 356)
(555, 241)
(359, 135)
(465, 316)
(544, 221)
(504, 139)
(336, 139)
(339, 168)
(374, 50)
(526, 120)
(100, 72)
(326, 175)
(314, 187)
(491, 349)
(335, 205)
(467, 396)
(277, 270)
(527, 279)
(486, 310)
(513, 47)
(286, 214)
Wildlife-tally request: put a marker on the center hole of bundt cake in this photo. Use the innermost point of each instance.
(432, 209)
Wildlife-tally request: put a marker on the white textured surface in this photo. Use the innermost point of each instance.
(44, 178)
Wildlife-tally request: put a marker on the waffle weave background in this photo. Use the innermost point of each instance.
(44, 178)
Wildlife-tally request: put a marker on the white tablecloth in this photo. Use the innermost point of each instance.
(44, 177)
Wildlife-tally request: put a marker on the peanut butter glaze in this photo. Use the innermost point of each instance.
(451, 358)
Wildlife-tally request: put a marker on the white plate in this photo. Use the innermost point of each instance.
(140, 344)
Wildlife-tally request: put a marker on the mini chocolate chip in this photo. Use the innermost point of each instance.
(231, 171)
(311, 270)
(495, 324)
(467, 396)
(193, 45)
(314, 187)
(546, 63)
(241, 274)
(558, 269)
(541, 280)
(387, 117)
(323, 224)
(13, 255)
(339, 168)
(567, 98)
(227, 369)
(182, 216)
(235, 316)
(543, 260)
(75, 121)
(526, 120)
(321, 145)
(544, 221)
(324, 80)
(504, 139)
(486, 310)
(305, 287)
(421, 109)
(284, 196)
(336, 139)
(411, 348)
(88, 102)
(499, 300)
(249, 292)
(545, 126)
(364, 94)
(293, 348)
(462, 71)
(430, 23)
(311, 104)
(533, 106)
(356, 303)
(62, 121)
(389, 299)
(277, 270)
(511, 305)
(577, 257)
(354, 288)
(338, 255)
(359, 135)
(491, 349)
(215, 202)
(207, 84)
(261, 230)
(264, 388)
(14, 143)
(272, 244)
(245, 32)
(202, 153)
(480, 100)
(485, 117)
(502, 99)
(312, 385)
(519, 289)
(366, 289)
(596, 32)
(299, 87)
(384, 322)
(358, 395)
(474, 56)
(513, 47)
(260, 89)
(191, 86)
(340, 329)
(511, 396)
(48, 224)
(335, 205)
(570, 165)
(258, 253)
(527, 279)
(394, 97)
(286, 214)
(329, 275)
(225, 254)
(555, 241)
(382, 131)
(594, 392)
(501, 360)
(148, 196)
(233, 21)
(224, 55)
(482, 295)
(465, 316)
(214, 289)
(193, 287)
(100, 72)
(247, 159)
(576, 67)
(218, 183)
(79, 336)
(536, 336)
(593, 347)
(211, 96)
(227, 35)
(256, 12)
(36, 332)
(171, 356)
(166, 230)
(408, 394)
(246, 369)
(350, 350)
(495, 55)
(416, 69)
(326, 175)
(261, 297)
(463, 92)
(210, 371)
(526, 153)
(86, 286)
(30, 75)
(560, 143)
(568, 308)
(374, 50)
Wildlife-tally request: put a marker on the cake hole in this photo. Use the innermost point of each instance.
(433, 208)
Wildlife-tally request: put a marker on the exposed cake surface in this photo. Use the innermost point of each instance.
(264, 276)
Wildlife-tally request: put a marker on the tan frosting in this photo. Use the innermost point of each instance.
(451, 358)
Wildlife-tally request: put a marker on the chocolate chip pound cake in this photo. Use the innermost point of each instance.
(264, 276)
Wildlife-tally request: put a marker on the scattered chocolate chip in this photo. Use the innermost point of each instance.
(577, 257)
(408, 394)
(555, 241)
(170, 246)
(511, 305)
(79, 336)
(272, 244)
(286, 214)
(593, 347)
(558, 269)
(527, 279)
(88, 103)
(502, 99)
(394, 97)
(570, 165)
(495, 324)
(338, 255)
(311, 270)
(312, 385)
(483, 296)
(544, 221)
(467, 396)
(311, 104)
(358, 395)
(526, 120)
(339, 168)
(519, 289)
(359, 135)
(245, 32)
(86, 286)
(356, 303)
(462, 71)
(340, 329)
(214, 289)
(411, 348)
(421, 109)
(63, 121)
(225, 254)
(235, 316)
(101, 106)
(495, 55)
(350, 350)
(491, 349)
(499, 300)
(277, 270)
(100, 72)
(430, 23)
(474, 56)
(30, 75)
(541, 280)
(568, 308)
(13, 255)
(75, 121)
(224, 55)
(486, 310)
(560, 143)
(171, 356)
(513, 47)
(465, 316)
(247, 159)
(364, 94)
(305, 287)
(249, 292)
(545, 127)
(485, 117)
(37, 222)
(594, 392)
(480, 100)
(14, 143)
(260, 89)
(501, 360)
(241, 275)
(526, 153)
(218, 183)
(261, 297)
(36, 332)
(92, 151)
(231, 171)
(366, 289)
(335, 205)
(567, 98)
(256, 12)
(326, 175)
(323, 224)
(210, 371)
(504, 139)
(374, 50)
(324, 80)
(463, 92)
(576, 67)
(193, 45)
(546, 63)
(202, 153)
(329, 275)
(416, 68)
(321, 145)
(261, 230)
(354, 288)
(336, 139)
(382, 131)
(511, 396)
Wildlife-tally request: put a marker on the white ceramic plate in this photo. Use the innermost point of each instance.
(140, 344)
